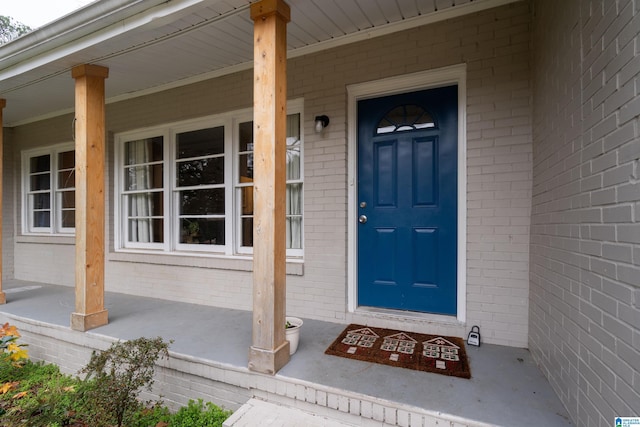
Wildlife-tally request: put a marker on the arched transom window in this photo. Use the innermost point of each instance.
(404, 118)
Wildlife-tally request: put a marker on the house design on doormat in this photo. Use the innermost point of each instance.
(440, 348)
(400, 342)
(364, 337)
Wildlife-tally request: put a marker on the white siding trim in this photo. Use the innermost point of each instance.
(422, 80)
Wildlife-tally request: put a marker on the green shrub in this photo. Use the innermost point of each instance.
(150, 417)
(39, 395)
(119, 374)
(198, 414)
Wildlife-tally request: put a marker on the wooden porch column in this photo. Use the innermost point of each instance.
(3, 103)
(270, 350)
(90, 158)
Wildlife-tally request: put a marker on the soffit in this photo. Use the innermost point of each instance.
(158, 45)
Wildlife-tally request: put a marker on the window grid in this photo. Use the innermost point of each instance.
(143, 193)
(49, 190)
(294, 187)
(40, 193)
(194, 228)
(200, 188)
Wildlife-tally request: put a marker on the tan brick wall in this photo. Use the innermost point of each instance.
(495, 46)
(585, 253)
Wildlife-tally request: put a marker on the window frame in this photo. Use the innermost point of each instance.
(237, 186)
(232, 210)
(55, 203)
(121, 214)
(174, 219)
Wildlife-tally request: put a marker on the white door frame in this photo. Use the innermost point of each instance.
(408, 83)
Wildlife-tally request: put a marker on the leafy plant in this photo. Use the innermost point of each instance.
(8, 347)
(199, 414)
(39, 395)
(119, 374)
(156, 416)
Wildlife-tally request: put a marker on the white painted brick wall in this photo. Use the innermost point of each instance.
(495, 46)
(8, 194)
(499, 175)
(176, 380)
(46, 263)
(585, 256)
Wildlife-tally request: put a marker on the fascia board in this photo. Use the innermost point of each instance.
(86, 27)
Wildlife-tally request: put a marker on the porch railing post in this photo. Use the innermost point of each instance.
(3, 103)
(90, 159)
(269, 350)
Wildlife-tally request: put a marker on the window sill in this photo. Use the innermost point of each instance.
(295, 267)
(47, 239)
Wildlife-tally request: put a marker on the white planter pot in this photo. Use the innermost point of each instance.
(292, 334)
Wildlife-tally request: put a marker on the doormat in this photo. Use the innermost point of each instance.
(422, 352)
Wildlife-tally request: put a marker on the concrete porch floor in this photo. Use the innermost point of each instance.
(506, 387)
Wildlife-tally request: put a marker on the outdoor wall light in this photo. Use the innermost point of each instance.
(321, 123)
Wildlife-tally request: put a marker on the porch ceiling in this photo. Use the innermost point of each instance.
(151, 45)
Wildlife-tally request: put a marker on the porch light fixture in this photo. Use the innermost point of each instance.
(321, 123)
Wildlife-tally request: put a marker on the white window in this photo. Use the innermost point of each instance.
(49, 190)
(188, 187)
(244, 186)
(143, 190)
(200, 187)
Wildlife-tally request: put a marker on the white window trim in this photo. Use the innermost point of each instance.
(55, 228)
(121, 231)
(293, 107)
(456, 74)
(171, 245)
(211, 122)
(237, 200)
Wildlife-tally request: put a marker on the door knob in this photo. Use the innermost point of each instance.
(362, 219)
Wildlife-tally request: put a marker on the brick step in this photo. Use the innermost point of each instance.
(347, 408)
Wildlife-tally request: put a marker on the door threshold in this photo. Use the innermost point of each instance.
(389, 315)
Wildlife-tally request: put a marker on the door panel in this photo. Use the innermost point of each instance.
(407, 195)
(386, 173)
(385, 246)
(425, 178)
(425, 241)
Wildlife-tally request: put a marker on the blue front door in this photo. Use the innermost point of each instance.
(407, 201)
